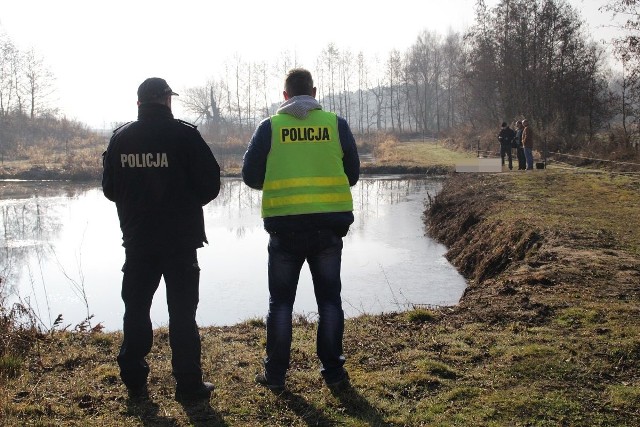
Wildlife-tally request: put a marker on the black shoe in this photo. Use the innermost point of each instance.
(190, 392)
(138, 393)
(341, 384)
(262, 380)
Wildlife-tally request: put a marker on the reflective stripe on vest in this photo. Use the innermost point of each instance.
(304, 167)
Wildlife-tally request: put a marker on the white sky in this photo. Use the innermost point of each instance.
(100, 52)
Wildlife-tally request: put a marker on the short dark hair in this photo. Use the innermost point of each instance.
(299, 82)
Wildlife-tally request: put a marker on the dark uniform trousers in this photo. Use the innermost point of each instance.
(505, 150)
(142, 270)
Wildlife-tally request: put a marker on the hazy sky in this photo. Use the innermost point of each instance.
(100, 52)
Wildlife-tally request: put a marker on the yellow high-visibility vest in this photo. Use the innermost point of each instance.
(304, 167)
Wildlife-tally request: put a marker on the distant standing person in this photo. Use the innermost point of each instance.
(505, 137)
(160, 172)
(522, 163)
(304, 160)
(527, 143)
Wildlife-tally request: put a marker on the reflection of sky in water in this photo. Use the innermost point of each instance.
(388, 263)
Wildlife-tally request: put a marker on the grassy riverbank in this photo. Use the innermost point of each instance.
(547, 334)
(392, 157)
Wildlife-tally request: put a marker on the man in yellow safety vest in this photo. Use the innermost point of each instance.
(304, 160)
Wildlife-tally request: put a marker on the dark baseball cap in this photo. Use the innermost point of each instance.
(154, 88)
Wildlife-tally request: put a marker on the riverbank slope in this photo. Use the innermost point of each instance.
(548, 332)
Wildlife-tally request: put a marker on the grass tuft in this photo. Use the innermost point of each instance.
(10, 366)
(255, 322)
(421, 315)
(438, 369)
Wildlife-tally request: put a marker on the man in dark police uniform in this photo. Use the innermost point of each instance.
(160, 173)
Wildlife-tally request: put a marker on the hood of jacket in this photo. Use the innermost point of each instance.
(299, 106)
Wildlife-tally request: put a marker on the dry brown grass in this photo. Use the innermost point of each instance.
(546, 334)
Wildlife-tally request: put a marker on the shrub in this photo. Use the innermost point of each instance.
(421, 315)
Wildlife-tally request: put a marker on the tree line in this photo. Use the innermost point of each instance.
(529, 59)
(27, 117)
(627, 51)
(25, 81)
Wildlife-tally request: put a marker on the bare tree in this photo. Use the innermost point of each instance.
(628, 43)
(452, 52)
(39, 82)
(263, 84)
(328, 66)
(405, 99)
(623, 99)
(363, 98)
(197, 101)
(480, 75)
(9, 71)
(346, 66)
(238, 66)
(627, 50)
(378, 92)
(393, 68)
(203, 102)
(422, 74)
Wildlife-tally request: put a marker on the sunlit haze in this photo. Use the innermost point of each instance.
(100, 52)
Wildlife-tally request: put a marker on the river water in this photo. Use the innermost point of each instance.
(61, 254)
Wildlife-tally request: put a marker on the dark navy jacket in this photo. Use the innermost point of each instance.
(255, 165)
(160, 172)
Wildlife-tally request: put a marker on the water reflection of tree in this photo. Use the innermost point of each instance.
(8, 260)
(235, 196)
(372, 193)
(31, 215)
(238, 201)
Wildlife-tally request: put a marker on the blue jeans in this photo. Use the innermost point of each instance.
(528, 154)
(287, 253)
(142, 272)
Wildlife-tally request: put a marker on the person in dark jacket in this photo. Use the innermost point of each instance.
(160, 173)
(505, 137)
(304, 160)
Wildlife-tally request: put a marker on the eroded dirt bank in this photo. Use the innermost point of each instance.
(525, 258)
